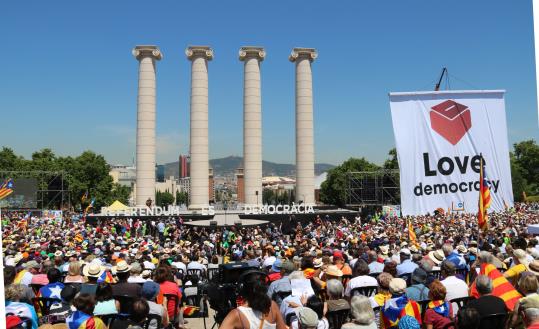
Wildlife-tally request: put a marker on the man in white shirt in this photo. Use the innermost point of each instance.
(406, 266)
(456, 288)
(195, 265)
(374, 265)
(361, 279)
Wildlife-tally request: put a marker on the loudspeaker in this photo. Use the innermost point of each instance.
(213, 223)
(237, 222)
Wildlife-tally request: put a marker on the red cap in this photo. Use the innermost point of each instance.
(12, 321)
(337, 254)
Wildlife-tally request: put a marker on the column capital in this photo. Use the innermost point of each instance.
(299, 53)
(252, 52)
(193, 52)
(147, 51)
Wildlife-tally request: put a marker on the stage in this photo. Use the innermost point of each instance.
(227, 220)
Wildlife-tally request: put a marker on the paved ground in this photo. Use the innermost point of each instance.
(198, 323)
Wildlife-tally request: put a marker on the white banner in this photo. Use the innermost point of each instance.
(440, 137)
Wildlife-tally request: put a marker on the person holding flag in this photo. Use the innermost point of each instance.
(84, 197)
(90, 206)
(411, 235)
(501, 287)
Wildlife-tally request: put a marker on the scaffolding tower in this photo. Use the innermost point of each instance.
(52, 187)
(373, 188)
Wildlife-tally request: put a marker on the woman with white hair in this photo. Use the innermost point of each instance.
(335, 301)
(362, 314)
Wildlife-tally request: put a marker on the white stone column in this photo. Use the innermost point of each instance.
(252, 124)
(303, 57)
(199, 57)
(146, 55)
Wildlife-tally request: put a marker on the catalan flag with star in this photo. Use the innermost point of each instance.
(395, 308)
(6, 188)
(484, 199)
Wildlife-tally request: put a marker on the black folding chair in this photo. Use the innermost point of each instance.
(493, 321)
(374, 275)
(213, 274)
(108, 319)
(43, 304)
(337, 318)
(407, 277)
(126, 303)
(367, 291)
(197, 272)
(436, 274)
(156, 319)
(461, 302)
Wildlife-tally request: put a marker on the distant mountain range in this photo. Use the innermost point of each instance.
(227, 167)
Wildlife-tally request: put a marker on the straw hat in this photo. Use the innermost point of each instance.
(397, 286)
(534, 267)
(92, 270)
(333, 270)
(521, 256)
(437, 256)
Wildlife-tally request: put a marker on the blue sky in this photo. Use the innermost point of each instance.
(69, 81)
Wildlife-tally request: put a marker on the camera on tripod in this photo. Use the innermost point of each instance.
(222, 293)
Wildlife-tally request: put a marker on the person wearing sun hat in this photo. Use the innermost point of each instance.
(275, 270)
(338, 260)
(436, 256)
(520, 262)
(123, 287)
(406, 266)
(92, 272)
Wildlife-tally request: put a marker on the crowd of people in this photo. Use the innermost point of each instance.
(360, 273)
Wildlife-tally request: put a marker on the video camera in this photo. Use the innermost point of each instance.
(222, 293)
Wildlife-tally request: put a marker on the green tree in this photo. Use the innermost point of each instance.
(268, 197)
(181, 198)
(9, 161)
(333, 190)
(392, 162)
(120, 193)
(164, 199)
(525, 169)
(88, 172)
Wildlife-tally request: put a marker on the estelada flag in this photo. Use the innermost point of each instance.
(500, 286)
